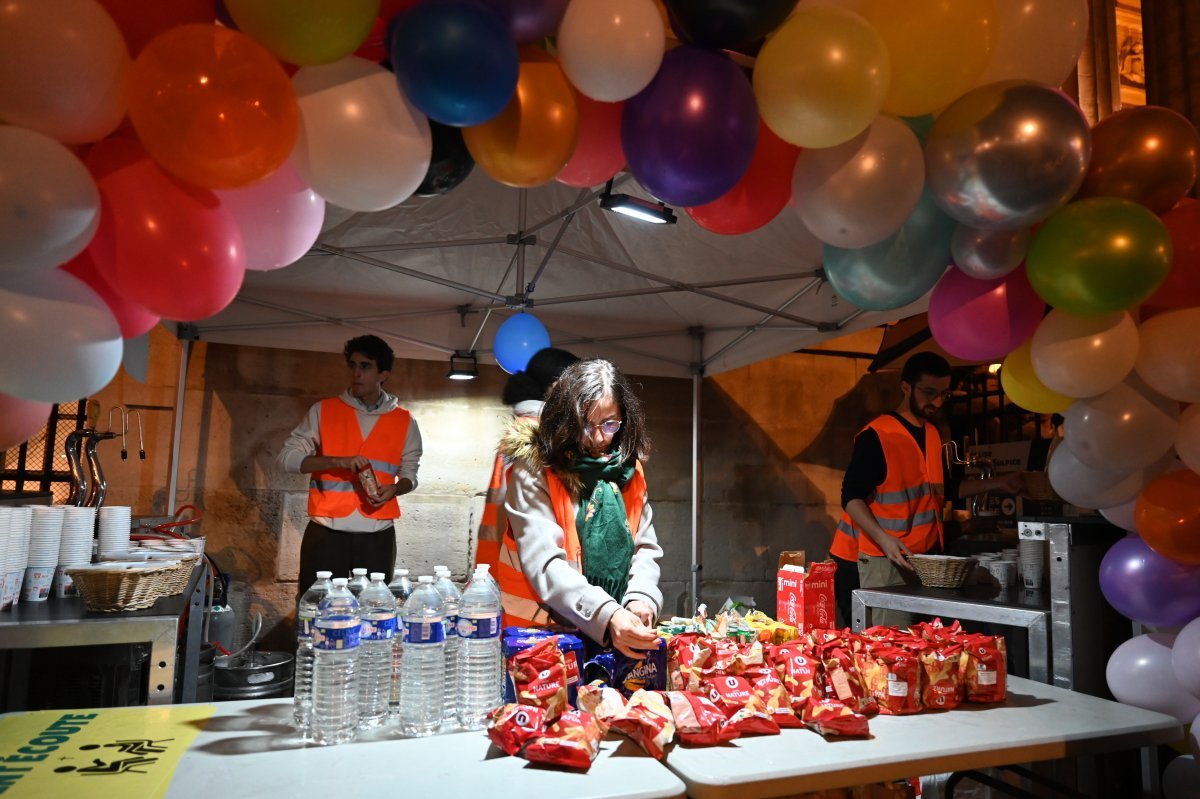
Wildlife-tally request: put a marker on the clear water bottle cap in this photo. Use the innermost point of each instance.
(376, 576)
(358, 572)
(401, 572)
(324, 575)
(425, 578)
(484, 568)
(437, 569)
(339, 582)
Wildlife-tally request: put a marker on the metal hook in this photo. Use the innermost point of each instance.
(124, 427)
(141, 441)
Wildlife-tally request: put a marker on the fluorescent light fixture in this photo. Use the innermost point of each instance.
(645, 210)
(463, 366)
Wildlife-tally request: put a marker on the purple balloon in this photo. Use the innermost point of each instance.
(529, 20)
(1144, 586)
(689, 136)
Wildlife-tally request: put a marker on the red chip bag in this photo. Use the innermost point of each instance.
(730, 694)
(698, 722)
(775, 697)
(602, 701)
(540, 677)
(985, 672)
(724, 658)
(798, 668)
(572, 741)
(648, 721)
(686, 658)
(842, 680)
(753, 719)
(512, 726)
(829, 717)
(942, 685)
(892, 675)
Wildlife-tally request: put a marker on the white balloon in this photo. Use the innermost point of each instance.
(988, 254)
(1187, 440)
(362, 145)
(61, 341)
(1194, 737)
(1181, 778)
(49, 203)
(1169, 355)
(1127, 427)
(858, 193)
(1038, 40)
(1088, 487)
(611, 49)
(1083, 356)
(1185, 657)
(1139, 674)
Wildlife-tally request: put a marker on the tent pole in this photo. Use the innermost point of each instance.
(697, 334)
(185, 349)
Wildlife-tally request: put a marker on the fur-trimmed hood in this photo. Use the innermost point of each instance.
(519, 445)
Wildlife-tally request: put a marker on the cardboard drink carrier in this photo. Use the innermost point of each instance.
(804, 594)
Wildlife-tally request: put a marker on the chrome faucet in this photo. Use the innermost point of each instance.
(983, 466)
(88, 485)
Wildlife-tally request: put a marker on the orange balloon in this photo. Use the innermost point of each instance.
(212, 106)
(1167, 515)
(534, 136)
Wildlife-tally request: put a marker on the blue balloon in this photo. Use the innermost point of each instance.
(899, 269)
(454, 60)
(517, 340)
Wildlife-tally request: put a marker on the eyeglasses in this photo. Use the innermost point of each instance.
(609, 428)
(930, 393)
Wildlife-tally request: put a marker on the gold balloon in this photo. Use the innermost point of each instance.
(534, 136)
(1023, 387)
(1149, 155)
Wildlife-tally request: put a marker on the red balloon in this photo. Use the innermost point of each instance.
(759, 196)
(598, 154)
(390, 8)
(168, 246)
(20, 419)
(374, 48)
(133, 318)
(1181, 289)
(140, 21)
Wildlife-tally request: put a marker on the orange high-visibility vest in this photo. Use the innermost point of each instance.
(522, 605)
(333, 492)
(908, 504)
(491, 528)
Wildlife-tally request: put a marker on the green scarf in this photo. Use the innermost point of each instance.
(604, 536)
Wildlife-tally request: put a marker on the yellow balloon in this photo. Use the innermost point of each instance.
(1023, 387)
(938, 48)
(821, 77)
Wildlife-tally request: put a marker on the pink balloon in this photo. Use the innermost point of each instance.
(983, 320)
(20, 419)
(133, 318)
(280, 217)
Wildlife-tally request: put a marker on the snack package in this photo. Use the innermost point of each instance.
(842, 680)
(512, 726)
(723, 659)
(941, 686)
(698, 722)
(984, 668)
(603, 702)
(769, 688)
(539, 677)
(686, 658)
(892, 675)
(572, 741)
(829, 717)
(631, 675)
(799, 671)
(753, 719)
(648, 721)
(730, 694)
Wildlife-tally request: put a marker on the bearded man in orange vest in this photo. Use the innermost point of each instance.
(352, 522)
(894, 490)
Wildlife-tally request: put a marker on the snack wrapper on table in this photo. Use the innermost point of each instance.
(941, 685)
(892, 675)
(511, 727)
(829, 717)
(983, 667)
(698, 722)
(753, 718)
(631, 675)
(799, 669)
(769, 688)
(842, 680)
(730, 693)
(539, 677)
(648, 721)
(687, 655)
(572, 741)
(604, 703)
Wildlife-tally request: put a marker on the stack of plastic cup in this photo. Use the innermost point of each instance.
(75, 547)
(1031, 560)
(45, 534)
(5, 530)
(18, 551)
(113, 529)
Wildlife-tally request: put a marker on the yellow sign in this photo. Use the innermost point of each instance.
(122, 753)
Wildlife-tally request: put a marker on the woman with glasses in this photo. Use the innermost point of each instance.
(578, 511)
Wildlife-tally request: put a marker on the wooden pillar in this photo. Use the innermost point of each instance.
(1096, 73)
(1171, 32)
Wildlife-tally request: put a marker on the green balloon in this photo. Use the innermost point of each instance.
(1099, 256)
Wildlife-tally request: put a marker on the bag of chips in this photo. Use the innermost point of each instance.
(687, 655)
(698, 722)
(540, 677)
(603, 702)
(798, 669)
(572, 741)
(892, 675)
(984, 668)
(753, 719)
(769, 688)
(648, 721)
(842, 680)
(512, 726)
(941, 686)
(730, 694)
(828, 717)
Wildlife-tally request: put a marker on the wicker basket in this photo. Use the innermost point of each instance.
(176, 580)
(942, 571)
(118, 589)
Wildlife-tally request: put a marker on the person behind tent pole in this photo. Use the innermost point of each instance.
(577, 507)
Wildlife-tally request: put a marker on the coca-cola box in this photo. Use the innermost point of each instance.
(804, 594)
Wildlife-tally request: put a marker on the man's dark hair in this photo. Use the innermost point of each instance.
(539, 374)
(924, 364)
(580, 387)
(374, 348)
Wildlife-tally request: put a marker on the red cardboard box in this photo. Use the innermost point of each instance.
(804, 597)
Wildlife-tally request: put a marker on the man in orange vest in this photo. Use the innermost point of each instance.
(894, 490)
(363, 430)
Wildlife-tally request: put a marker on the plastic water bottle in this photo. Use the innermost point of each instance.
(375, 652)
(335, 644)
(358, 581)
(424, 664)
(484, 569)
(451, 597)
(480, 661)
(401, 588)
(306, 613)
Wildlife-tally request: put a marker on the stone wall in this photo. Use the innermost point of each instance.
(775, 437)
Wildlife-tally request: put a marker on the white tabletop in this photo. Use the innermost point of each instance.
(1037, 722)
(249, 749)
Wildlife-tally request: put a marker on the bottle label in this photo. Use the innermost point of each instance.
(336, 633)
(477, 628)
(379, 628)
(450, 624)
(304, 625)
(424, 632)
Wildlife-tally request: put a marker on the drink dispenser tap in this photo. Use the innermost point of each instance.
(80, 485)
(141, 441)
(99, 488)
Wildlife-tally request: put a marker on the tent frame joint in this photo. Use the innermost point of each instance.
(517, 239)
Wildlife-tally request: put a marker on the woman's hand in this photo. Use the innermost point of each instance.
(643, 610)
(628, 634)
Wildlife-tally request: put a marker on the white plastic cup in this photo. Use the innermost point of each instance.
(38, 583)
(64, 586)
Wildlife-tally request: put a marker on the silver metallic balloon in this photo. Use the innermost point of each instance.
(988, 254)
(1007, 155)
